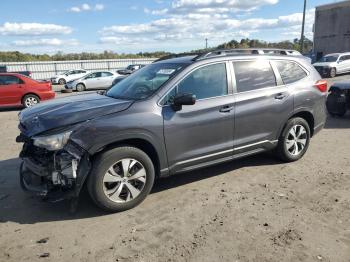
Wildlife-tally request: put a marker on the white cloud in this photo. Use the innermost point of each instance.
(99, 7)
(86, 7)
(75, 9)
(214, 6)
(32, 29)
(197, 26)
(45, 42)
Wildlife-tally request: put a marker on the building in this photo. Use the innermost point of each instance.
(332, 28)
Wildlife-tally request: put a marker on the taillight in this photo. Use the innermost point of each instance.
(321, 85)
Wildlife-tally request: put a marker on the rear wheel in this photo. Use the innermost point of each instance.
(294, 140)
(62, 81)
(30, 100)
(121, 178)
(80, 87)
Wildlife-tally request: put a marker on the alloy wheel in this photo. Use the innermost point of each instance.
(296, 140)
(124, 180)
(30, 101)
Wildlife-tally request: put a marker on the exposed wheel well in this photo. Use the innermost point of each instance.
(143, 145)
(309, 119)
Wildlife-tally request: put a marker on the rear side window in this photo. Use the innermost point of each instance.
(290, 71)
(252, 75)
(10, 80)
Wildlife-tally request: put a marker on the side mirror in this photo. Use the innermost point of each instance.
(184, 99)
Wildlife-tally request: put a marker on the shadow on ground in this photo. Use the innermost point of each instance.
(19, 207)
(338, 122)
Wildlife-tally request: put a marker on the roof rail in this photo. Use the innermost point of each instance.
(240, 51)
(175, 56)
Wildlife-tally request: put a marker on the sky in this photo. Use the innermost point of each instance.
(131, 26)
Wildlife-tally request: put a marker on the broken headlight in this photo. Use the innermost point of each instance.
(52, 142)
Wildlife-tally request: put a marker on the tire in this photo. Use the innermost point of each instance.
(80, 87)
(333, 72)
(118, 195)
(61, 81)
(336, 104)
(30, 100)
(290, 148)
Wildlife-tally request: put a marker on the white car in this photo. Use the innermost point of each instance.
(332, 64)
(94, 80)
(68, 76)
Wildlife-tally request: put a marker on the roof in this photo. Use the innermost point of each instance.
(181, 60)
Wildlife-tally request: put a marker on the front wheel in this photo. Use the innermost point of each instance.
(80, 87)
(121, 178)
(294, 140)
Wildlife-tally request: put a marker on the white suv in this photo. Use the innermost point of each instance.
(332, 64)
(68, 76)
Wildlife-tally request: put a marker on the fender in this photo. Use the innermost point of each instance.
(96, 146)
(295, 112)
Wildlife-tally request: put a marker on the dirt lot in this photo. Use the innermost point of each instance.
(254, 209)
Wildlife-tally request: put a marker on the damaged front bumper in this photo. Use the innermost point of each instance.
(53, 175)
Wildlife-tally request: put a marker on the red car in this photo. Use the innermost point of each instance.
(17, 89)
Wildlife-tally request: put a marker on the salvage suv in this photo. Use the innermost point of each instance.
(172, 116)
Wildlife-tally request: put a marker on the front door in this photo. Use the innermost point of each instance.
(263, 103)
(344, 64)
(200, 133)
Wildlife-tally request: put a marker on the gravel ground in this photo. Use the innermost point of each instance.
(253, 209)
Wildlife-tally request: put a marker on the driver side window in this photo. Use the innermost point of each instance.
(205, 82)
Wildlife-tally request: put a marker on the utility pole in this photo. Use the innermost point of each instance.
(206, 43)
(302, 30)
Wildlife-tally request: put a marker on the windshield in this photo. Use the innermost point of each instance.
(329, 58)
(144, 82)
(129, 67)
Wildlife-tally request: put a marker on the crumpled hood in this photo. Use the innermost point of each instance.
(66, 111)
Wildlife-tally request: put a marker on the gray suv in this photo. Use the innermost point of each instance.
(172, 116)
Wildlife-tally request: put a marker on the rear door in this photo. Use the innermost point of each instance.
(262, 104)
(203, 132)
(106, 79)
(11, 90)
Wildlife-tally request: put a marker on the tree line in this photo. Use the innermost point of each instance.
(15, 56)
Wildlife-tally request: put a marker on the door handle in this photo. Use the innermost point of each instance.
(226, 109)
(280, 96)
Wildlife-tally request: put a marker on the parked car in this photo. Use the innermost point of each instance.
(130, 69)
(338, 100)
(333, 64)
(67, 76)
(17, 89)
(172, 116)
(4, 69)
(95, 80)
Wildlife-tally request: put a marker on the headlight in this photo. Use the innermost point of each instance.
(52, 142)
